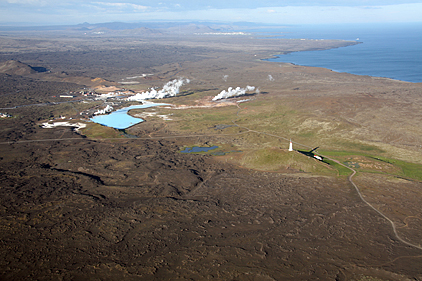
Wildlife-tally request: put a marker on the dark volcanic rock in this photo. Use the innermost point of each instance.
(74, 208)
(139, 210)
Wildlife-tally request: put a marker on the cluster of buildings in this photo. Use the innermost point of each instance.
(112, 95)
(99, 96)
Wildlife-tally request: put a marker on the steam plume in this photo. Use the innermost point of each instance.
(108, 108)
(170, 89)
(233, 92)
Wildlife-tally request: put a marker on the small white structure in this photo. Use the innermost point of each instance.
(5, 115)
(318, 157)
(291, 146)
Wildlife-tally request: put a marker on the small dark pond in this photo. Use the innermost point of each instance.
(222, 153)
(194, 149)
(39, 69)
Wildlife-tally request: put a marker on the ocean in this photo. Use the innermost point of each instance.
(387, 50)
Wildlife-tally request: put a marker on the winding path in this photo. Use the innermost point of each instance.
(393, 225)
(247, 130)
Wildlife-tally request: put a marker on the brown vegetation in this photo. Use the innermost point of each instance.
(73, 207)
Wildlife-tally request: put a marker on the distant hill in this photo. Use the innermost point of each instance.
(141, 28)
(191, 28)
(142, 31)
(14, 67)
(135, 31)
(138, 29)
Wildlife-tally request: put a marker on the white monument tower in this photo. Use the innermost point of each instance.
(291, 146)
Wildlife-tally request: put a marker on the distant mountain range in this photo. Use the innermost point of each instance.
(144, 28)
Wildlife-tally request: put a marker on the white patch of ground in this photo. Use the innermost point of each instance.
(151, 114)
(139, 76)
(129, 83)
(77, 126)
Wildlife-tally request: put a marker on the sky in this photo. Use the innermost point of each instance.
(65, 12)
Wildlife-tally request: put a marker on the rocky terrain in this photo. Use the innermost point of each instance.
(78, 207)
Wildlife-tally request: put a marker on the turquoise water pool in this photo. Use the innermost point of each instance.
(119, 119)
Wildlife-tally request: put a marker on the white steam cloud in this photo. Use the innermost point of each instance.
(233, 92)
(170, 89)
(108, 108)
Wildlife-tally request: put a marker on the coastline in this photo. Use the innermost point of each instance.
(312, 49)
(378, 53)
(279, 59)
(124, 200)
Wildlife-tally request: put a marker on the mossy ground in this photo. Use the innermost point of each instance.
(279, 121)
(94, 130)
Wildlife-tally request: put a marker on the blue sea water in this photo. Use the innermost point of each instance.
(386, 50)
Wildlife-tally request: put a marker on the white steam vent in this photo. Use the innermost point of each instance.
(170, 89)
(234, 92)
(108, 108)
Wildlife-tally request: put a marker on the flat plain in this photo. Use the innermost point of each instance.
(102, 204)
